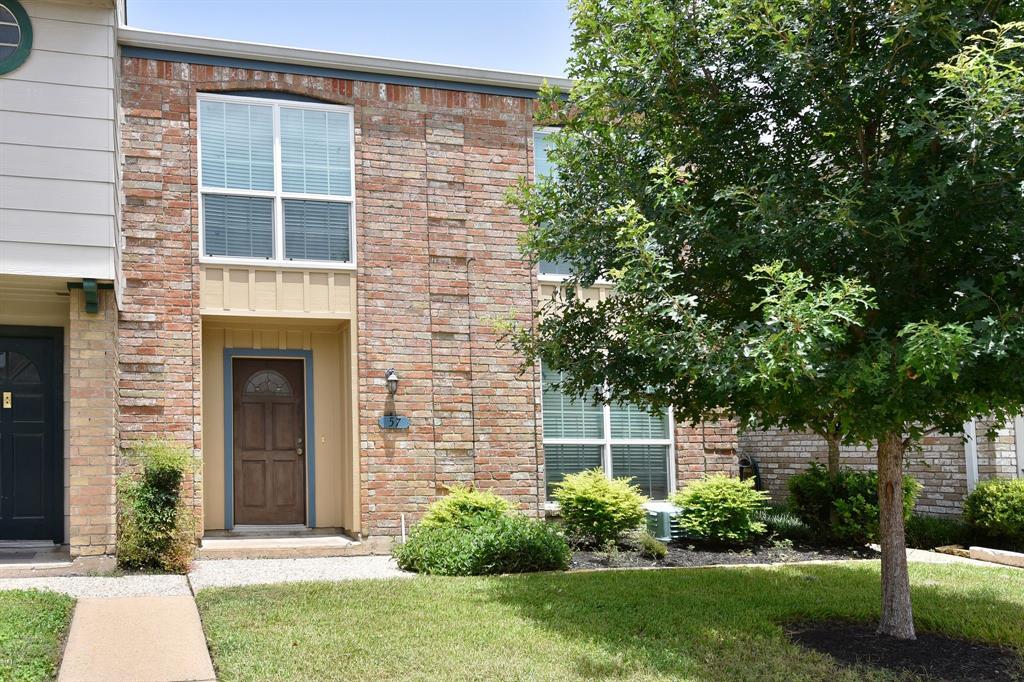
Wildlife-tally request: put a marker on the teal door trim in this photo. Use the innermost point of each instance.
(229, 422)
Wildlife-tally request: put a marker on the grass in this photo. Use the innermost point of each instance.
(32, 629)
(695, 624)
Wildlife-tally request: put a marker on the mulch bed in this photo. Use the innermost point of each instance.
(685, 554)
(934, 657)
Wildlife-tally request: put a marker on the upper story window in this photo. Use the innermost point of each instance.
(622, 440)
(542, 167)
(276, 180)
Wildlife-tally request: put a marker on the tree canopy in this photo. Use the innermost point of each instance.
(812, 212)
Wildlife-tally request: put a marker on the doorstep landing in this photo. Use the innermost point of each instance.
(310, 546)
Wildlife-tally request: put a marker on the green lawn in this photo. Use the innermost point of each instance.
(32, 629)
(701, 624)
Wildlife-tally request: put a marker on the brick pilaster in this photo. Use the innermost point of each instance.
(92, 433)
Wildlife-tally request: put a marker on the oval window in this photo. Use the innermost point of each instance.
(15, 35)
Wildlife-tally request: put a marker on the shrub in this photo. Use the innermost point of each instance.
(597, 510)
(155, 525)
(721, 509)
(464, 506)
(995, 509)
(929, 532)
(646, 545)
(843, 509)
(488, 545)
(651, 547)
(785, 525)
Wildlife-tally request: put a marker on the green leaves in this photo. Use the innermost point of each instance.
(810, 211)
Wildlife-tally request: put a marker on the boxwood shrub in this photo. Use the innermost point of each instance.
(995, 510)
(464, 506)
(597, 510)
(843, 509)
(488, 545)
(721, 509)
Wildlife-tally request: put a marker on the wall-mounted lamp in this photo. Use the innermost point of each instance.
(391, 379)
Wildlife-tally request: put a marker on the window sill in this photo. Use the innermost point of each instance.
(278, 264)
(552, 509)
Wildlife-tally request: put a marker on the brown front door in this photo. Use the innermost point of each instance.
(269, 441)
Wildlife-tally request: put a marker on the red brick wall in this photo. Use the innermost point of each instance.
(438, 263)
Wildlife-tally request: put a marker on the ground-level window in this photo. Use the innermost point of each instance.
(621, 440)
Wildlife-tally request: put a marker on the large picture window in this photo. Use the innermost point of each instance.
(276, 180)
(623, 440)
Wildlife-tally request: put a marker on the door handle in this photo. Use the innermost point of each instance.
(298, 448)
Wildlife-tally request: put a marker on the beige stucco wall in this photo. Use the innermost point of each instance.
(336, 480)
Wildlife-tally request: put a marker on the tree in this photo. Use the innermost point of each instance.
(811, 215)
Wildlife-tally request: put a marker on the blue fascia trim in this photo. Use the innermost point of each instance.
(229, 452)
(345, 74)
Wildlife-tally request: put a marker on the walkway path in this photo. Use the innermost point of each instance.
(136, 639)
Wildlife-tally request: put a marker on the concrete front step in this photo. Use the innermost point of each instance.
(310, 546)
(46, 560)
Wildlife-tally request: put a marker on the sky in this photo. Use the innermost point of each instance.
(529, 36)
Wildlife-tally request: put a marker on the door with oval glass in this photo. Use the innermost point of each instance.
(268, 432)
(31, 499)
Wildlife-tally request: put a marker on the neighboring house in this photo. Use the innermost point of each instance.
(232, 245)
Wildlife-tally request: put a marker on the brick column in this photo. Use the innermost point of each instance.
(92, 432)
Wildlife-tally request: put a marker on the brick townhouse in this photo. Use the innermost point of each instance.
(291, 262)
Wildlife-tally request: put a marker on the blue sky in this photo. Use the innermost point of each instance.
(531, 36)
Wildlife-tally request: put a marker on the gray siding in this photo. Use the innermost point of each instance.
(58, 153)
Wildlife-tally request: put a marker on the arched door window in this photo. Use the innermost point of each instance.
(267, 383)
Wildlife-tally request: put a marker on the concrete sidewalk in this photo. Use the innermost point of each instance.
(136, 639)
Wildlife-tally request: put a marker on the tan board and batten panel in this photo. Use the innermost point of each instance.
(334, 416)
(249, 290)
(58, 149)
(592, 294)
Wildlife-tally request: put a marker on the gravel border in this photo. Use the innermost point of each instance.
(118, 586)
(234, 572)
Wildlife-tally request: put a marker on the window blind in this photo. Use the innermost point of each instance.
(647, 465)
(565, 417)
(238, 226)
(561, 460)
(315, 152)
(237, 142)
(316, 230)
(632, 422)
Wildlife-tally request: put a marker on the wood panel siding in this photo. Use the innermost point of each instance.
(249, 290)
(58, 164)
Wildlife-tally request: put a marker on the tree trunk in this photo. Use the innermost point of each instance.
(833, 454)
(897, 616)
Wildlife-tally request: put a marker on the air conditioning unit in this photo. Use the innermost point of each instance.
(659, 519)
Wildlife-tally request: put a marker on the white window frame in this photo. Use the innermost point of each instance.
(277, 194)
(607, 442)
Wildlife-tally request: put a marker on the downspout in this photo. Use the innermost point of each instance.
(971, 451)
(1018, 443)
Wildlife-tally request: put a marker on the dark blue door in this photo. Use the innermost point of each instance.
(31, 499)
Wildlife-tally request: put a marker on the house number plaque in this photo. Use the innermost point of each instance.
(393, 421)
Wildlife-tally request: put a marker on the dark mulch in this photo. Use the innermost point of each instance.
(934, 657)
(686, 554)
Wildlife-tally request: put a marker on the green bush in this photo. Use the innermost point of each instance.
(785, 525)
(464, 506)
(843, 509)
(597, 510)
(995, 510)
(929, 532)
(721, 509)
(486, 546)
(155, 524)
(642, 542)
